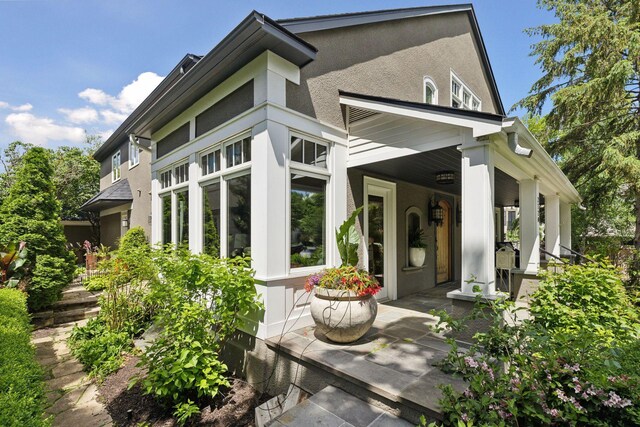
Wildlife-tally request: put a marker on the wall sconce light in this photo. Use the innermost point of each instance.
(125, 223)
(436, 213)
(516, 203)
(445, 177)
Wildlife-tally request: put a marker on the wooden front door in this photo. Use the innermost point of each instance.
(443, 245)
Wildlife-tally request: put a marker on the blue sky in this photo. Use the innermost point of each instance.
(67, 66)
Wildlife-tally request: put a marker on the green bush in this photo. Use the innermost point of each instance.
(99, 349)
(200, 302)
(22, 393)
(133, 239)
(31, 214)
(551, 370)
(49, 278)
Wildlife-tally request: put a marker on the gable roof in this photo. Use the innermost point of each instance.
(255, 34)
(116, 138)
(328, 22)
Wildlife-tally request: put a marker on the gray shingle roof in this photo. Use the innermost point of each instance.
(115, 195)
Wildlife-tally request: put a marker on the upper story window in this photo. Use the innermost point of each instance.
(308, 152)
(165, 179)
(134, 154)
(462, 96)
(238, 152)
(115, 167)
(430, 91)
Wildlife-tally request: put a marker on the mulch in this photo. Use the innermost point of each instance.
(130, 407)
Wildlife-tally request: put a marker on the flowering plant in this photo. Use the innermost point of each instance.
(346, 278)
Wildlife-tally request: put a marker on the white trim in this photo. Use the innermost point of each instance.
(137, 151)
(428, 81)
(387, 190)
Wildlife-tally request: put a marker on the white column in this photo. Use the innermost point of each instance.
(195, 206)
(565, 227)
(478, 228)
(156, 210)
(552, 224)
(529, 226)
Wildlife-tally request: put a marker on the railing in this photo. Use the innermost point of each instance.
(577, 254)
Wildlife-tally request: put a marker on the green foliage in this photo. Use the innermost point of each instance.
(133, 239)
(22, 391)
(50, 276)
(344, 278)
(416, 238)
(31, 213)
(591, 75)
(542, 371)
(590, 296)
(200, 302)
(98, 348)
(13, 264)
(185, 410)
(348, 239)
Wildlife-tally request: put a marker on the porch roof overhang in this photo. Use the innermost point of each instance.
(479, 125)
(116, 195)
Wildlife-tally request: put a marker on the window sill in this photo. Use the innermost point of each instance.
(410, 268)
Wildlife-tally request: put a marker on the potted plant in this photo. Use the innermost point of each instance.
(417, 247)
(90, 256)
(344, 306)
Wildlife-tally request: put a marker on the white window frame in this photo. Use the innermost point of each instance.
(172, 190)
(311, 171)
(134, 155)
(222, 176)
(459, 98)
(428, 81)
(116, 172)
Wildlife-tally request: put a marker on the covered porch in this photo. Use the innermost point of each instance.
(397, 153)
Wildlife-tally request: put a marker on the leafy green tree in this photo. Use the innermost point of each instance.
(11, 160)
(31, 213)
(591, 63)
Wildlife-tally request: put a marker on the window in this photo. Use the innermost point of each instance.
(430, 91)
(239, 216)
(308, 152)
(165, 179)
(238, 152)
(134, 154)
(210, 162)
(115, 167)
(211, 219)
(182, 200)
(166, 219)
(181, 173)
(462, 96)
(308, 221)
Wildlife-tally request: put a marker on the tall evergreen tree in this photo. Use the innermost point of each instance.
(591, 64)
(31, 213)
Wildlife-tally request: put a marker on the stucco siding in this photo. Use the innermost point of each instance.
(389, 59)
(110, 230)
(140, 183)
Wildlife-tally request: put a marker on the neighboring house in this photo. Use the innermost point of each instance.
(266, 145)
(124, 200)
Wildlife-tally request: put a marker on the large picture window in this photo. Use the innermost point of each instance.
(239, 216)
(174, 198)
(166, 218)
(182, 200)
(308, 221)
(211, 219)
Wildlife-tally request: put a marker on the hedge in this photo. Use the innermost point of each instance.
(22, 390)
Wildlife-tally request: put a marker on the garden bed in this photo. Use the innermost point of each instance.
(130, 407)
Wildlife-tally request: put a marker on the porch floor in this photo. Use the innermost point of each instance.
(394, 360)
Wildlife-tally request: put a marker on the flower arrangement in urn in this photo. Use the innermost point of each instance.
(344, 306)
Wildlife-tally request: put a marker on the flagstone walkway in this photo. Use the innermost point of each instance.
(71, 395)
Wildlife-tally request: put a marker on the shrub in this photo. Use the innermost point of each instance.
(31, 213)
(133, 239)
(49, 277)
(549, 371)
(22, 395)
(99, 349)
(200, 302)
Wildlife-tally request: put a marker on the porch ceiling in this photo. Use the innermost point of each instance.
(421, 168)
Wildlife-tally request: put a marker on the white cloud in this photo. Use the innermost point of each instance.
(104, 135)
(20, 108)
(111, 117)
(40, 130)
(80, 115)
(129, 97)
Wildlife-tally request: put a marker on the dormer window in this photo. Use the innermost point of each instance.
(462, 96)
(430, 91)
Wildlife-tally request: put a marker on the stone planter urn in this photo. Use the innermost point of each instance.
(342, 316)
(417, 256)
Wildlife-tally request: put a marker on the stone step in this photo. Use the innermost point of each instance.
(332, 406)
(68, 303)
(271, 409)
(49, 318)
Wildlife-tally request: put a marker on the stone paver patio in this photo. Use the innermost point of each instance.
(71, 394)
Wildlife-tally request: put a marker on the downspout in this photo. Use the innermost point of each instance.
(512, 140)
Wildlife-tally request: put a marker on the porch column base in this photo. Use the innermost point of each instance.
(458, 294)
